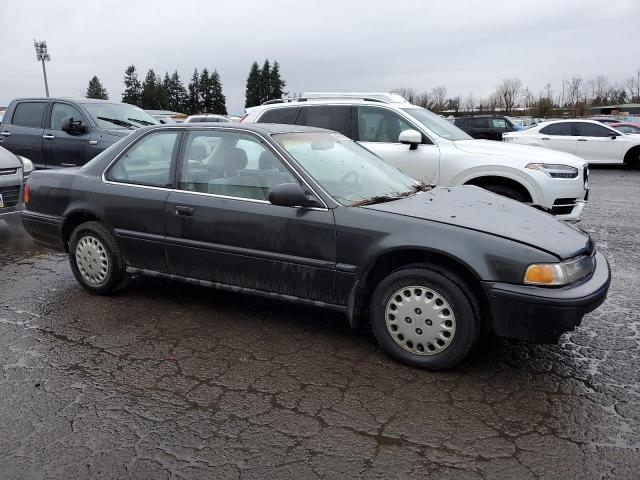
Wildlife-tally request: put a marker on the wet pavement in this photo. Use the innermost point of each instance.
(167, 380)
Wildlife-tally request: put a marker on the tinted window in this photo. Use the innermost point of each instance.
(333, 117)
(29, 114)
(147, 162)
(62, 110)
(380, 125)
(558, 129)
(279, 115)
(231, 164)
(477, 122)
(593, 130)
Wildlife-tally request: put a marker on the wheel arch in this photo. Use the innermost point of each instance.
(72, 220)
(484, 180)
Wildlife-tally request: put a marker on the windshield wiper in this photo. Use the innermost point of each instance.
(418, 187)
(120, 123)
(141, 122)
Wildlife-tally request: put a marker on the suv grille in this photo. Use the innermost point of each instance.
(563, 206)
(10, 195)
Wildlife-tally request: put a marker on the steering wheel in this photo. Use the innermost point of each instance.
(349, 174)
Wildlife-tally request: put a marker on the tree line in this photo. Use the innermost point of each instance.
(576, 95)
(203, 93)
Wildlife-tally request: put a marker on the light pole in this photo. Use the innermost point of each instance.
(42, 56)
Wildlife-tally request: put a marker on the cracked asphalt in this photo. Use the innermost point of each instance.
(167, 380)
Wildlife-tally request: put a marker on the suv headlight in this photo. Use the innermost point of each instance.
(27, 166)
(555, 171)
(557, 274)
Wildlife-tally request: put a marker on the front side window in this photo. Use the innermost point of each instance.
(231, 164)
(437, 124)
(332, 117)
(380, 125)
(63, 110)
(563, 128)
(148, 161)
(29, 114)
(593, 130)
(346, 171)
(119, 115)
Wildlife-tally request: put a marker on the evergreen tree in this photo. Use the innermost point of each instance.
(194, 102)
(96, 90)
(132, 87)
(163, 92)
(265, 82)
(276, 84)
(176, 94)
(149, 95)
(219, 101)
(252, 97)
(206, 93)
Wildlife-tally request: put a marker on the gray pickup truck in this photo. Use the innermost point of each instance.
(66, 132)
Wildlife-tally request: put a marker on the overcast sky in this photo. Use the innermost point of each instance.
(368, 45)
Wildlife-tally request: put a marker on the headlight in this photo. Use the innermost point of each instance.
(557, 274)
(27, 166)
(555, 171)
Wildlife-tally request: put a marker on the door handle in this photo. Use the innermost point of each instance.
(48, 136)
(184, 210)
(582, 139)
(545, 138)
(68, 165)
(5, 134)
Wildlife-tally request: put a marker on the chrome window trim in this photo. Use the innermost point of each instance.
(228, 129)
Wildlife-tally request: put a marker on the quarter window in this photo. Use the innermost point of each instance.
(63, 110)
(380, 125)
(563, 128)
(147, 162)
(279, 115)
(29, 114)
(593, 130)
(332, 117)
(231, 164)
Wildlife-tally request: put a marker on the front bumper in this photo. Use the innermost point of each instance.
(540, 314)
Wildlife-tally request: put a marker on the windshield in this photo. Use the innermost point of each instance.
(119, 115)
(346, 171)
(437, 124)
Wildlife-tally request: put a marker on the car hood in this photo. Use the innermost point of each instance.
(478, 209)
(519, 152)
(8, 159)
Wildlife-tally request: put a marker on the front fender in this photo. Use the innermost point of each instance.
(532, 186)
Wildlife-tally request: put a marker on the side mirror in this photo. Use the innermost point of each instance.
(291, 195)
(73, 127)
(411, 137)
(612, 135)
(65, 124)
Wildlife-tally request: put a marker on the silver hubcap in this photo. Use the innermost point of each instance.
(92, 260)
(420, 320)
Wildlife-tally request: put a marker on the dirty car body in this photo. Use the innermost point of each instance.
(228, 213)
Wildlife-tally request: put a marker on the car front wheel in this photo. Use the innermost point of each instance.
(95, 259)
(422, 317)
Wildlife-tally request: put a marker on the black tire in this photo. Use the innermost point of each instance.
(632, 159)
(116, 274)
(506, 191)
(448, 286)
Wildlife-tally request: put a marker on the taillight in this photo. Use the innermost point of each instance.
(25, 193)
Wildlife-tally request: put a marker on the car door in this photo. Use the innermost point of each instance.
(221, 228)
(22, 133)
(599, 144)
(378, 128)
(559, 136)
(65, 149)
(478, 127)
(139, 182)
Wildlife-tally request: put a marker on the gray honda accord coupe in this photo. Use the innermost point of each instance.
(306, 215)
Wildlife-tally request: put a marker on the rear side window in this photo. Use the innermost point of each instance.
(279, 115)
(558, 129)
(593, 130)
(476, 122)
(333, 117)
(29, 114)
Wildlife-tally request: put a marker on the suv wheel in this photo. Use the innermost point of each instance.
(95, 259)
(422, 317)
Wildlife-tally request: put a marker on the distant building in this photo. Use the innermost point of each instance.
(621, 109)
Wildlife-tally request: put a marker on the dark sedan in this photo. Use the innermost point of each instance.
(307, 215)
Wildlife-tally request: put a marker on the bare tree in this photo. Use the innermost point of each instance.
(574, 90)
(438, 98)
(469, 103)
(508, 93)
(408, 93)
(632, 87)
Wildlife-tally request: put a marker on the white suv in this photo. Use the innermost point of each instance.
(432, 150)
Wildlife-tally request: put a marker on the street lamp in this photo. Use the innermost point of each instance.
(42, 56)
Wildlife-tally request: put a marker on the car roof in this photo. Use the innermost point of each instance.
(68, 99)
(263, 128)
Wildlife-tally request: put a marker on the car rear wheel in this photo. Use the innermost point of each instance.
(95, 259)
(422, 317)
(506, 191)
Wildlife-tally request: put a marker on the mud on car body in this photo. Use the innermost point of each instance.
(306, 215)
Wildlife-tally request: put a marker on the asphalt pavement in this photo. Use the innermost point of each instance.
(167, 380)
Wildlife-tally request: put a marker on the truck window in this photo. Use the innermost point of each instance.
(29, 114)
(62, 110)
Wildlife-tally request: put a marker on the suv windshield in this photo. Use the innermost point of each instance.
(119, 115)
(348, 172)
(437, 124)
